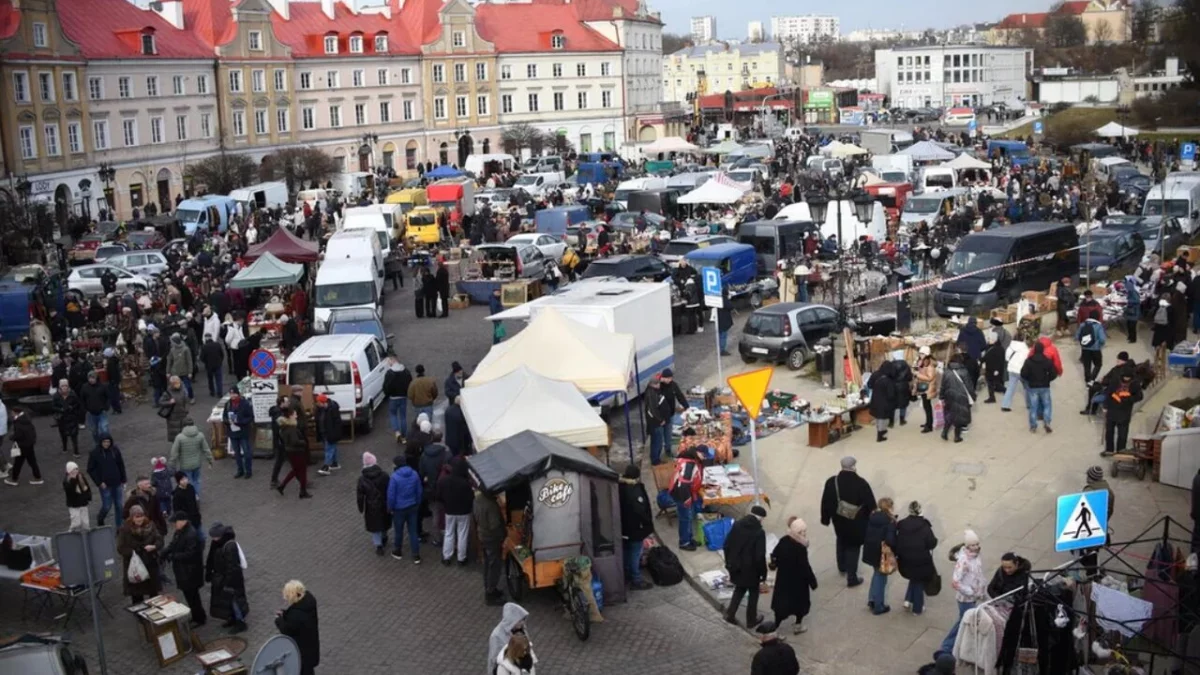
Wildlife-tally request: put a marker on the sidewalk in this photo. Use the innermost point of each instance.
(1001, 481)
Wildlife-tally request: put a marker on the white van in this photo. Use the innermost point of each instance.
(377, 218)
(342, 284)
(937, 178)
(1182, 201)
(262, 196)
(311, 197)
(928, 206)
(480, 165)
(1106, 166)
(628, 187)
(543, 164)
(538, 184)
(793, 133)
(348, 368)
(356, 245)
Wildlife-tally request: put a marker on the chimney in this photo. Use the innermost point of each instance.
(281, 8)
(171, 11)
(327, 8)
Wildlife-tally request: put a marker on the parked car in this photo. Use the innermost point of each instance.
(86, 279)
(41, 655)
(145, 239)
(629, 221)
(108, 250)
(530, 262)
(1148, 228)
(632, 267)
(551, 247)
(677, 248)
(786, 332)
(1111, 254)
(347, 368)
(145, 263)
(355, 320)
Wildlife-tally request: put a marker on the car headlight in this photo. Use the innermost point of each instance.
(939, 286)
(319, 324)
(1102, 268)
(987, 286)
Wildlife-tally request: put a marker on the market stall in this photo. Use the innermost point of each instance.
(713, 192)
(267, 271)
(286, 247)
(524, 400)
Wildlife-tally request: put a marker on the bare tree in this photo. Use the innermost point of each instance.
(222, 173)
(1102, 33)
(519, 137)
(1065, 30)
(672, 42)
(299, 167)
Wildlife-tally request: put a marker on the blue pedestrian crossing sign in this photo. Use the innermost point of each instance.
(1082, 521)
(711, 282)
(971, 126)
(1187, 152)
(1037, 127)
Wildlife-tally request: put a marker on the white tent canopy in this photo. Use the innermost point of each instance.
(669, 144)
(562, 348)
(524, 400)
(847, 150)
(1114, 130)
(712, 192)
(725, 147)
(830, 147)
(965, 161)
(926, 151)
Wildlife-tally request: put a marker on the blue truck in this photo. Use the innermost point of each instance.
(555, 221)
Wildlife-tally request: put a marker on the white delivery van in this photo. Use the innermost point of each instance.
(373, 218)
(354, 183)
(887, 166)
(642, 310)
(538, 184)
(262, 196)
(1181, 200)
(936, 178)
(852, 229)
(343, 284)
(481, 166)
(347, 368)
(628, 187)
(356, 245)
(543, 164)
(311, 197)
(1105, 166)
(928, 206)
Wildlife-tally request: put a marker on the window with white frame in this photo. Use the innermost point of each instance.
(21, 87)
(156, 130)
(407, 111)
(506, 72)
(306, 80)
(531, 71)
(356, 44)
(69, 91)
(381, 77)
(439, 108)
(239, 123)
(74, 138)
(129, 132)
(360, 114)
(255, 41)
(533, 102)
(460, 106)
(481, 74)
(96, 88)
(39, 35)
(581, 70)
(558, 101)
(506, 103)
(28, 142)
(100, 134)
(152, 85)
(381, 44)
(439, 73)
(605, 69)
(206, 125)
(606, 99)
(458, 39)
(331, 44)
(235, 81)
(258, 81)
(460, 72)
(333, 79)
(50, 136)
(202, 84)
(282, 120)
(558, 41)
(308, 118)
(385, 111)
(46, 87)
(260, 123)
(555, 70)
(335, 116)
(582, 99)
(281, 83)
(178, 87)
(358, 78)
(406, 76)
(181, 127)
(481, 105)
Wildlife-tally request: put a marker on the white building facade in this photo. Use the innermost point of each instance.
(805, 28)
(577, 95)
(755, 31)
(639, 37)
(944, 76)
(704, 29)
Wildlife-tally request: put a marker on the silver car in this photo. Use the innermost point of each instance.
(529, 261)
(86, 279)
(145, 263)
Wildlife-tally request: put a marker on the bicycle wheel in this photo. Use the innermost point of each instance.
(581, 617)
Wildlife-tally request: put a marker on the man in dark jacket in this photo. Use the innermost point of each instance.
(106, 467)
(458, 434)
(395, 387)
(746, 561)
(1038, 372)
(433, 458)
(489, 523)
(637, 523)
(329, 430)
(662, 397)
(213, 357)
(68, 415)
(1120, 395)
(442, 283)
(885, 398)
(186, 553)
(239, 423)
(1064, 300)
(458, 499)
(774, 657)
(290, 335)
(454, 381)
(223, 571)
(94, 397)
(847, 502)
(112, 367)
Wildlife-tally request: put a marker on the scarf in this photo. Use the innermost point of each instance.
(798, 530)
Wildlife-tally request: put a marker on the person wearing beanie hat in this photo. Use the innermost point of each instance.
(846, 503)
(637, 523)
(184, 499)
(774, 657)
(915, 542)
(453, 385)
(372, 501)
(794, 578)
(395, 386)
(228, 580)
(663, 399)
(746, 561)
(970, 585)
(79, 495)
(138, 534)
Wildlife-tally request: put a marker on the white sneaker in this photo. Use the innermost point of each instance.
(9, 481)
(36, 481)
(699, 329)
(908, 605)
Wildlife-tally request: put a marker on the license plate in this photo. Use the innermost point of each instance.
(956, 310)
(757, 350)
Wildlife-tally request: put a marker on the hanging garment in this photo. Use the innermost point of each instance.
(976, 642)
(1162, 592)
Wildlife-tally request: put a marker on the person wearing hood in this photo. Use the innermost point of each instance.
(957, 397)
(902, 377)
(746, 561)
(415, 444)
(179, 363)
(1091, 338)
(512, 622)
(915, 542)
(972, 342)
(637, 523)
(846, 503)
(1133, 307)
(454, 381)
(328, 424)
(404, 503)
(943, 665)
(372, 501)
(79, 495)
(112, 368)
(431, 465)
(24, 440)
(1038, 372)
(1161, 332)
(294, 446)
(299, 622)
(1051, 352)
(94, 397)
(223, 571)
(213, 358)
(106, 467)
(395, 387)
(1001, 333)
(1064, 302)
(995, 369)
(186, 553)
(458, 434)
(794, 578)
(970, 586)
(139, 535)
(884, 399)
(1012, 574)
(1014, 360)
(174, 406)
(1121, 393)
(68, 415)
(458, 499)
(238, 417)
(774, 656)
(881, 530)
(189, 449)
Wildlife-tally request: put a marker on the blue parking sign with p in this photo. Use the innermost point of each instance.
(710, 279)
(1037, 127)
(1187, 152)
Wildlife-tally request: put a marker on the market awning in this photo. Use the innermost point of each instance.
(847, 150)
(1114, 130)
(527, 455)
(724, 147)
(443, 171)
(669, 144)
(965, 161)
(268, 271)
(287, 247)
(712, 192)
(525, 400)
(927, 151)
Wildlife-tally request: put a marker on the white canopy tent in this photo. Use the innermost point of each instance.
(713, 192)
(926, 151)
(847, 150)
(725, 147)
(562, 348)
(669, 144)
(828, 149)
(1114, 130)
(965, 161)
(524, 400)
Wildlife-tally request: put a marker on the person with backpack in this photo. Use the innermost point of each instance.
(684, 490)
(372, 501)
(846, 503)
(746, 560)
(1091, 338)
(1121, 393)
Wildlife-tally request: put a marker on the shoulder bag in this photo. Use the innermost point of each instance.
(970, 398)
(887, 559)
(844, 509)
(934, 585)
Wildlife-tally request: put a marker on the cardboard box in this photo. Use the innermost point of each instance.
(1005, 314)
(460, 301)
(1048, 304)
(1037, 298)
(1193, 252)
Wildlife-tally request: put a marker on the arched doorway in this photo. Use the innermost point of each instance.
(466, 146)
(410, 155)
(364, 157)
(647, 134)
(444, 154)
(164, 190)
(62, 204)
(137, 191)
(389, 156)
(487, 146)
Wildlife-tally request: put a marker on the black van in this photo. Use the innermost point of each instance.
(1050, 250)
(774, 240)
(663, 201)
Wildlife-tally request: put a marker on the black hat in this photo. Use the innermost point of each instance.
(667, 372)
(758, 511)
(456, 367)
(398, 461)
(996, 321)
(1122, 356)
(180, 515)
(765, 628)
(216, 531)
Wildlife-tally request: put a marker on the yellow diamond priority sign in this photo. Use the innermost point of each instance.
(751, 387)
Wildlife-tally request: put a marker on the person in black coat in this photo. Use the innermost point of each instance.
(914, 558)
(372, 501)
(1120, 395)
(184, 500)
(299, 622)
(224, 572)
(24, 436)
(1013, 574)
(458, 434)
(884, 399)
(995, 370)
(68, 415)
(774, 657)
(112, 367)
(881, 529)
(290, 335)
(845, 494)
(213, 358)
(902, 377)
(746, 561)
(329, 429)
(427, 298)
(794, 578)
(186, 553)
(442, 284)
(637, 523)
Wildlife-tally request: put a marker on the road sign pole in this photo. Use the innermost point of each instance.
(754, 461)
(91, 581)
(717, 333)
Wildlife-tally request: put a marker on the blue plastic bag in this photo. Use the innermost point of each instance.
(715, 532)
(598, 592)
(664, 500)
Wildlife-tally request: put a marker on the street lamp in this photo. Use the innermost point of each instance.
(108, 174)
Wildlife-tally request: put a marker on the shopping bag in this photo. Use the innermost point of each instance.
(15, 452)
(939, 415)
(137, 572)
(698, 531)
(715, 532)
(934, 585)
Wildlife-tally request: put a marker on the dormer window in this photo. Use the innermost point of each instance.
(381, 43)
(39, 35)
(255, 40)
(458, 39)
(558, 41)
(356, 44)
(148, 44)
(331, 44)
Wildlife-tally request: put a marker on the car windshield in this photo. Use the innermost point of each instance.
(968, 262)
(188, 215)
(368, 326)
(1175, 207)
(328, 373)
(107, 227)
(943, 181)
(894, 176)
(346, 295)
(1102, 246)
(680, 248)
(764, 325)
(922, 205)
(422, 219)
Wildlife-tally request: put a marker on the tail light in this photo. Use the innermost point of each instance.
(787, 327)
(358, 388)
(520, 265)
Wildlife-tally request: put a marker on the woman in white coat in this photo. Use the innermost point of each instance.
(517, 657)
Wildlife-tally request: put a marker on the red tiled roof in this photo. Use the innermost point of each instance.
(307, 27)
(528, 28)
(113, 29)
(420, 18)
(1076, 7)
(10, 19)
(211, 20)
(1019, 21)
(602, 10)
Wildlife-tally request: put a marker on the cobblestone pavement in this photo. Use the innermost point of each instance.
(378, 615)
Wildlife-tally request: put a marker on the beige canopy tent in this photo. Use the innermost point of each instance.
(523, 400)
(669, 144)
(965, 161)
(844, 150)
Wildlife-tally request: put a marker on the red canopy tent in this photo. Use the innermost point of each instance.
(287, 247)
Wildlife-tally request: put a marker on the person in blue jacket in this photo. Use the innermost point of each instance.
(239, 422)
(404, 503)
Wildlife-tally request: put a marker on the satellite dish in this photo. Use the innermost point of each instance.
(278, 656)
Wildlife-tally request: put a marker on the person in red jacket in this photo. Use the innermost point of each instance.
(1051, 353)
(1090, 308)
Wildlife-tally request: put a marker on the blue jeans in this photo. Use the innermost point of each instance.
(110, 498)
(1010, 390)
(237, 612)
(1039, 400)
(915, 595)
(216, 382)
(633, 560)
(658, 440)
(193, 476)
(187, 385)
(114, 396)
(686, 514)
(948, 644)
(802, 291)
(408, 516)
(427, 409)
(877, 595)
(398, 413)
(98, 424)
(377, 538)
(241, 452)
(330, 453)
(722, 339)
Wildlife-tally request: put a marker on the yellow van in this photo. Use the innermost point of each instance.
(408, 198)
(422, 225)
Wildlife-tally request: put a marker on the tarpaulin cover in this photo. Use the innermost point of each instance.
(287, 247)
(527, 455)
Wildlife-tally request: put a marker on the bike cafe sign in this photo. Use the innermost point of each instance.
(556, 492)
